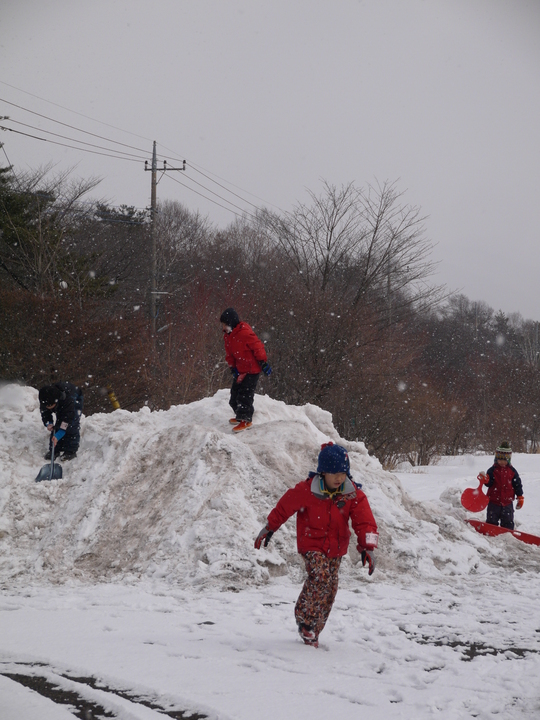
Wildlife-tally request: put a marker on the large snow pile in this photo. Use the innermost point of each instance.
(175, 495)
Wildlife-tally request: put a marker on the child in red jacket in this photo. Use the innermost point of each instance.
(324, 504)
(503, 484)
(246, 356)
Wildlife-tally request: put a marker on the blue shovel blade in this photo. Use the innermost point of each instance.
(46, 474)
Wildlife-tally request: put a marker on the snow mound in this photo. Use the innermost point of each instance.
(174, 495)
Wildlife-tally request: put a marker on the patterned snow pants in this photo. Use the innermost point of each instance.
(317, 597)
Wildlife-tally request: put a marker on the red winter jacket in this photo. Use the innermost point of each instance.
(244, 350)
(504, 484)
(322, 520)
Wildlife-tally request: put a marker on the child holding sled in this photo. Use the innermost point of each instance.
(503, 484)
(324, 504)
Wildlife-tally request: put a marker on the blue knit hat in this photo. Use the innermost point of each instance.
(333, 459)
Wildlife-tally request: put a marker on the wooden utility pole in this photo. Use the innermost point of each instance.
(153, 213)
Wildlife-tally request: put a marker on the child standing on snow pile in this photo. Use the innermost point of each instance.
(323, 504)
(503, 484)
(65, 400)
(246, 357)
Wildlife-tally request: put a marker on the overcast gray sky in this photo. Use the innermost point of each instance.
(266, 98)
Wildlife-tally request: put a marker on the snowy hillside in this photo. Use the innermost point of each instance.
(130, 588)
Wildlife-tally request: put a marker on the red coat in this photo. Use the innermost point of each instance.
(244, 350)
(322, 521)
(503, 485)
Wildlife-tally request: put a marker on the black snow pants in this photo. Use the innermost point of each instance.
(501, 513)
(242, 395)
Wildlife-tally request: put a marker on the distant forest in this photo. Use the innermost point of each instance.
(339, 289)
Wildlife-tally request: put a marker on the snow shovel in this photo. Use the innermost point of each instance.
(50, 471)
(474, 500)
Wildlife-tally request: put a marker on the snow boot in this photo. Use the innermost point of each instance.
(69, 455)
(234, 421)
(47, 455)
(307, 635)
(243, 425)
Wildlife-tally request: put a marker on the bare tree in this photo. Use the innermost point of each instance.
(38, 210)
(394, 257)
(362, 243)
(181, 237)
(319, 238)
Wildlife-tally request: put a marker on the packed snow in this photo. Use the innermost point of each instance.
(130, 588)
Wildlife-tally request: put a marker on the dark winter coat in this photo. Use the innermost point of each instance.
(322, 519)
(504, 484)
(243, 350)
(67, 410)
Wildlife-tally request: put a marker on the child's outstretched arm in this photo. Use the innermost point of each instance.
(289, 503)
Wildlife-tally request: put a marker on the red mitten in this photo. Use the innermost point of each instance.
(368, 557)
(263, 537)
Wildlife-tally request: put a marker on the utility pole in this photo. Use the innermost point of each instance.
(153, 213)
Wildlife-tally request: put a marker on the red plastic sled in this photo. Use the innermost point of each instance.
(493, 530)
(473, 499)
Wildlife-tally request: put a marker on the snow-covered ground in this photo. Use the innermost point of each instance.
(132, 586)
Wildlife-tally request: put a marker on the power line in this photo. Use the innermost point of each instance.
(207, 198)
(82, 142)
(224, 188)
(219, 196)
(64, 137)
(72, 127)
(2, 82)
(5, 153)
(93, 152)
(10, 165)
(115, 142)
(72, 147)
(101, 137)
(196, 168)
(35, 137)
